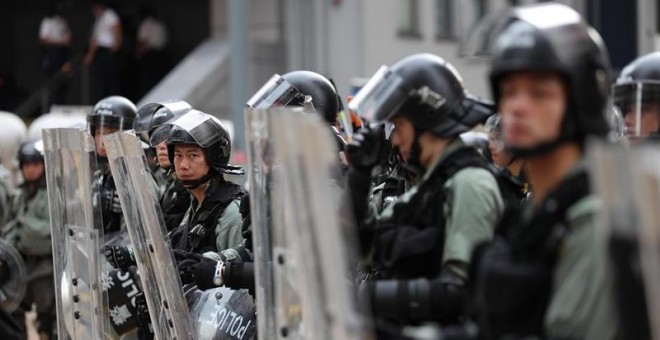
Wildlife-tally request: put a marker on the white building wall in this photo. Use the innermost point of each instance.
(383, 44)
(363, 36)
(648, 39)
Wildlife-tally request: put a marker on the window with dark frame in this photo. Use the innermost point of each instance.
(444, 22)
(408, 18)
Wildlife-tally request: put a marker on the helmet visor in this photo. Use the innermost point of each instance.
(144, 116)
(639, 105)
(201, 127)
(110, 123)
(276, 92)
(381, 97)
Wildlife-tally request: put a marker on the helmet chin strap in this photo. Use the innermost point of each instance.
(193, 184)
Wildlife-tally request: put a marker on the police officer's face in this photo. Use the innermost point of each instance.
(161, 153)
(532, 106)
(402, 136)
(98, 139)
(32, 171)
(500, 157)
(190, 162)
(649, 120)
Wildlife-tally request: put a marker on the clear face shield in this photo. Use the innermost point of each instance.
(639, 105)
(276, 92)
(202, 127)
(381, 97)
(108, 123)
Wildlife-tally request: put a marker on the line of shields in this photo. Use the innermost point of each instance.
(302, 247)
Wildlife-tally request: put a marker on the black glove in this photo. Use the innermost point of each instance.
(5, 273)
(186, 265)
(205, 273)
(364, 150)
(195, 268)
(120, 257)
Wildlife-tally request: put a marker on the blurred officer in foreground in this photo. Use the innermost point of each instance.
(546, 277)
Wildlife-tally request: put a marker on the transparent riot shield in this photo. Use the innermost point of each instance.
(300, 246)
(12, 291)
(76, 232)
(221, 313)
(144, 220)
(260, 184)
(627, 181)
(648, 189)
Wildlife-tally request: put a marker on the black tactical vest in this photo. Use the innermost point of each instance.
(511, 277)
(514, 190)
(410, 244)
(174, 204)
(107, 190)
(196, 233)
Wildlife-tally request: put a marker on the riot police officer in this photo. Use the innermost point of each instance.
(199, 148)
(309, 90)
(109, 115)
(29, 231)
(316, 94)
(546, 277)
(422, 242)
(174, 199)
(299, 88)
(637, 96)
(514, 186)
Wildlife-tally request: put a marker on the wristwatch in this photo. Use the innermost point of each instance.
(217, 278)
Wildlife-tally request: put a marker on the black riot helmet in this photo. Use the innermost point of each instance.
(113, 112)
(555, 38)
(637, 92)
(425, 89)
(152, 115)
(198, 128)
(30, 151)
(293, 88)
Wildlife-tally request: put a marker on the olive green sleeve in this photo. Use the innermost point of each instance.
(582, 302)
(473, 208)
(37, 215)
(228, 231)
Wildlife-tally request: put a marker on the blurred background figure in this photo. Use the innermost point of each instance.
(636, 95)
(29, 231)
(103, 53)
(150, 50)
(14, 131)
(55, 37)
